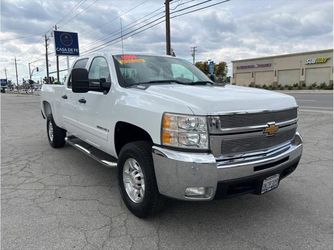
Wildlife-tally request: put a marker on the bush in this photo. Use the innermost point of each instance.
(323, 85)
(294, 86)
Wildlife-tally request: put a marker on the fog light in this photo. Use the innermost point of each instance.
(297, 139)
(199, 192)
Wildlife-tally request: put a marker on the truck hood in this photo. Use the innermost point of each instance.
(204, 100)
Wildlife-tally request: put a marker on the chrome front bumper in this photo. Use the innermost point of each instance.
(176, 171)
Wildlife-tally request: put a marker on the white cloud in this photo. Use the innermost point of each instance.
(234, 30)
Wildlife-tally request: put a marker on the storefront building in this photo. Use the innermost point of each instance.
(299, 68)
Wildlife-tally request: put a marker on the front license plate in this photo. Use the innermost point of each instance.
(270, 183)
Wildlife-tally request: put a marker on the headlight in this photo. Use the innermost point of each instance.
(184, 131)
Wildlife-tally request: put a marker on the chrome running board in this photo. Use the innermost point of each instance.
(98, 155)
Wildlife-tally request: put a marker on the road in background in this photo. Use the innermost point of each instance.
(62, 199)
(314, 101)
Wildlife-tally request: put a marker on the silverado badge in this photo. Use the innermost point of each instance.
(271, 129)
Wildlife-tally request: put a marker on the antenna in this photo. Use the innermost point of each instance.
(120, 19)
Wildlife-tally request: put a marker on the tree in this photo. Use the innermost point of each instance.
(220, 69)
(203, 66)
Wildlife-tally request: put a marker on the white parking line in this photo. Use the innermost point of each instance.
(306, 100)
(322, 111)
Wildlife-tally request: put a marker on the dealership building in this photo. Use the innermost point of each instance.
(301, 68)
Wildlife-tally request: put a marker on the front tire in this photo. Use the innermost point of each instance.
(137, 180)
(56, 135)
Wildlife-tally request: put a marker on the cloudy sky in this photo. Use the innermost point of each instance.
(233, 30)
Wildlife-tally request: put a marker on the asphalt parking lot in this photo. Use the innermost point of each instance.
(61, 199)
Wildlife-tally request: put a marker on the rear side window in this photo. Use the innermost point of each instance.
(78, 64)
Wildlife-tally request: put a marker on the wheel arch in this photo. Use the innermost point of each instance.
(47, 110)
(127, 132)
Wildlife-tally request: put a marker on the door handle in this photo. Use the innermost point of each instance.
(82, 100)
(64, 97)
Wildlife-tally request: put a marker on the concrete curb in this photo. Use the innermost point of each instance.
(315, 91)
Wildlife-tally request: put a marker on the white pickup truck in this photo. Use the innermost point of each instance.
(170, 131)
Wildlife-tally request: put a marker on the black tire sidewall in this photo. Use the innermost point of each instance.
(130, 150)
(59, 134)
(48, 120)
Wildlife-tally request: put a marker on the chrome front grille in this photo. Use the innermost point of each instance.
(243, 121)
(242, 134)
(232, 145)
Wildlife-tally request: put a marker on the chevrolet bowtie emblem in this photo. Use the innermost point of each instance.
(271, 129)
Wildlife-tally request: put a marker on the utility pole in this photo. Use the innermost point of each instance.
(57, 61)
(17, 77)
(6, 74)
(47, 59)
(193, 53)
(167, 15)
(29, 71)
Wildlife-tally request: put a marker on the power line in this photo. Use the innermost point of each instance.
(21, 37)
(133, 32)
(126, 27)
(205, 7)
(94, 1)
(39, 34)
(135, 22)
(123, 14)
(102, 45)
(68, 14)
(149, 25)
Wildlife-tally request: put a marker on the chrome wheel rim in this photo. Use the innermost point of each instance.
(133, 180)
(50, 132)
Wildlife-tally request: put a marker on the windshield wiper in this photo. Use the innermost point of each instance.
(174, 81)
(200, 83)
(160, 81)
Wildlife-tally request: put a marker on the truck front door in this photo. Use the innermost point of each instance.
(95, 105)
(70, 103)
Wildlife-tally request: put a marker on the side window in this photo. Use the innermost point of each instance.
(179, 71)
(78, 64)
(99, 71)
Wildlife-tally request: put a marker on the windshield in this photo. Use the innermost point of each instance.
(138, 69)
